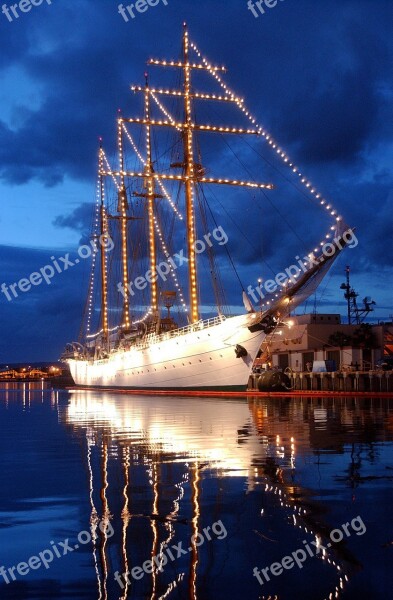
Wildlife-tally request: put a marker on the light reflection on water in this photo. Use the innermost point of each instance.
(275, 472)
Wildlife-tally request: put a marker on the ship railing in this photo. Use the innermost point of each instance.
(78, 352)
(152, 338)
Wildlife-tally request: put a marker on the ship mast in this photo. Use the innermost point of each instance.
(122, 209)
(103, 244)
(189, 183)
(150, 204)
(192, 172)
(151, 197)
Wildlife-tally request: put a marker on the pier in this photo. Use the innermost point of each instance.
(58, 375)
(335, 382)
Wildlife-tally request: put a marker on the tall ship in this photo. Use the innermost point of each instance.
(155, 232)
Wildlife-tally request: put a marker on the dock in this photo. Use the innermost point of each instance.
(359, 382)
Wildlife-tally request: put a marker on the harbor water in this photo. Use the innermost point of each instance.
(109, 497)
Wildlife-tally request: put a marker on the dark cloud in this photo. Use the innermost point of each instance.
(80, 220)
(37, 323)
(334, 62)
(339, 65)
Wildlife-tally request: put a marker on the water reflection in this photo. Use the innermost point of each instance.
(11, 390)
(160, 460)
(162, 469)
(278, 474)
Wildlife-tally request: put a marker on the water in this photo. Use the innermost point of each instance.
(253, 480)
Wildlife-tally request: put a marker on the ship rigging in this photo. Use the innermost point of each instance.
(153, 351)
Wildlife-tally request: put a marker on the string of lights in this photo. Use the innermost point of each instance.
(93, 335)
(94, 254)
(134, 146)
(184, 65)
(164, 190)
(189, 185)
(156, 122)
(157, 227)
(109, 168)
(188, 126)
(199, 95)
(104, 263)
(124, 225)
(172, 272)
(274, 145)
(150, 198)
(143, 319)
(192, 178)
(164, 110)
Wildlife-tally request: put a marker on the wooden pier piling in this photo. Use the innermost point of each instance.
(354, 381)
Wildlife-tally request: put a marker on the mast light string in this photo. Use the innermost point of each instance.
(156, 225)
(143, 161)
(274, 145)
(94, 254)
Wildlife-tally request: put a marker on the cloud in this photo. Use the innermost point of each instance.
(37, 324)
(80, 220)
(330, 113)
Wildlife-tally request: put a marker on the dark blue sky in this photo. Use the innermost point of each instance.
(317, 75)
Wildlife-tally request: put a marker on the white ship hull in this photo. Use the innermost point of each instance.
(201, 356)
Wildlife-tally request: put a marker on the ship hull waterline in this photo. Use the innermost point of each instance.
(202, 359)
